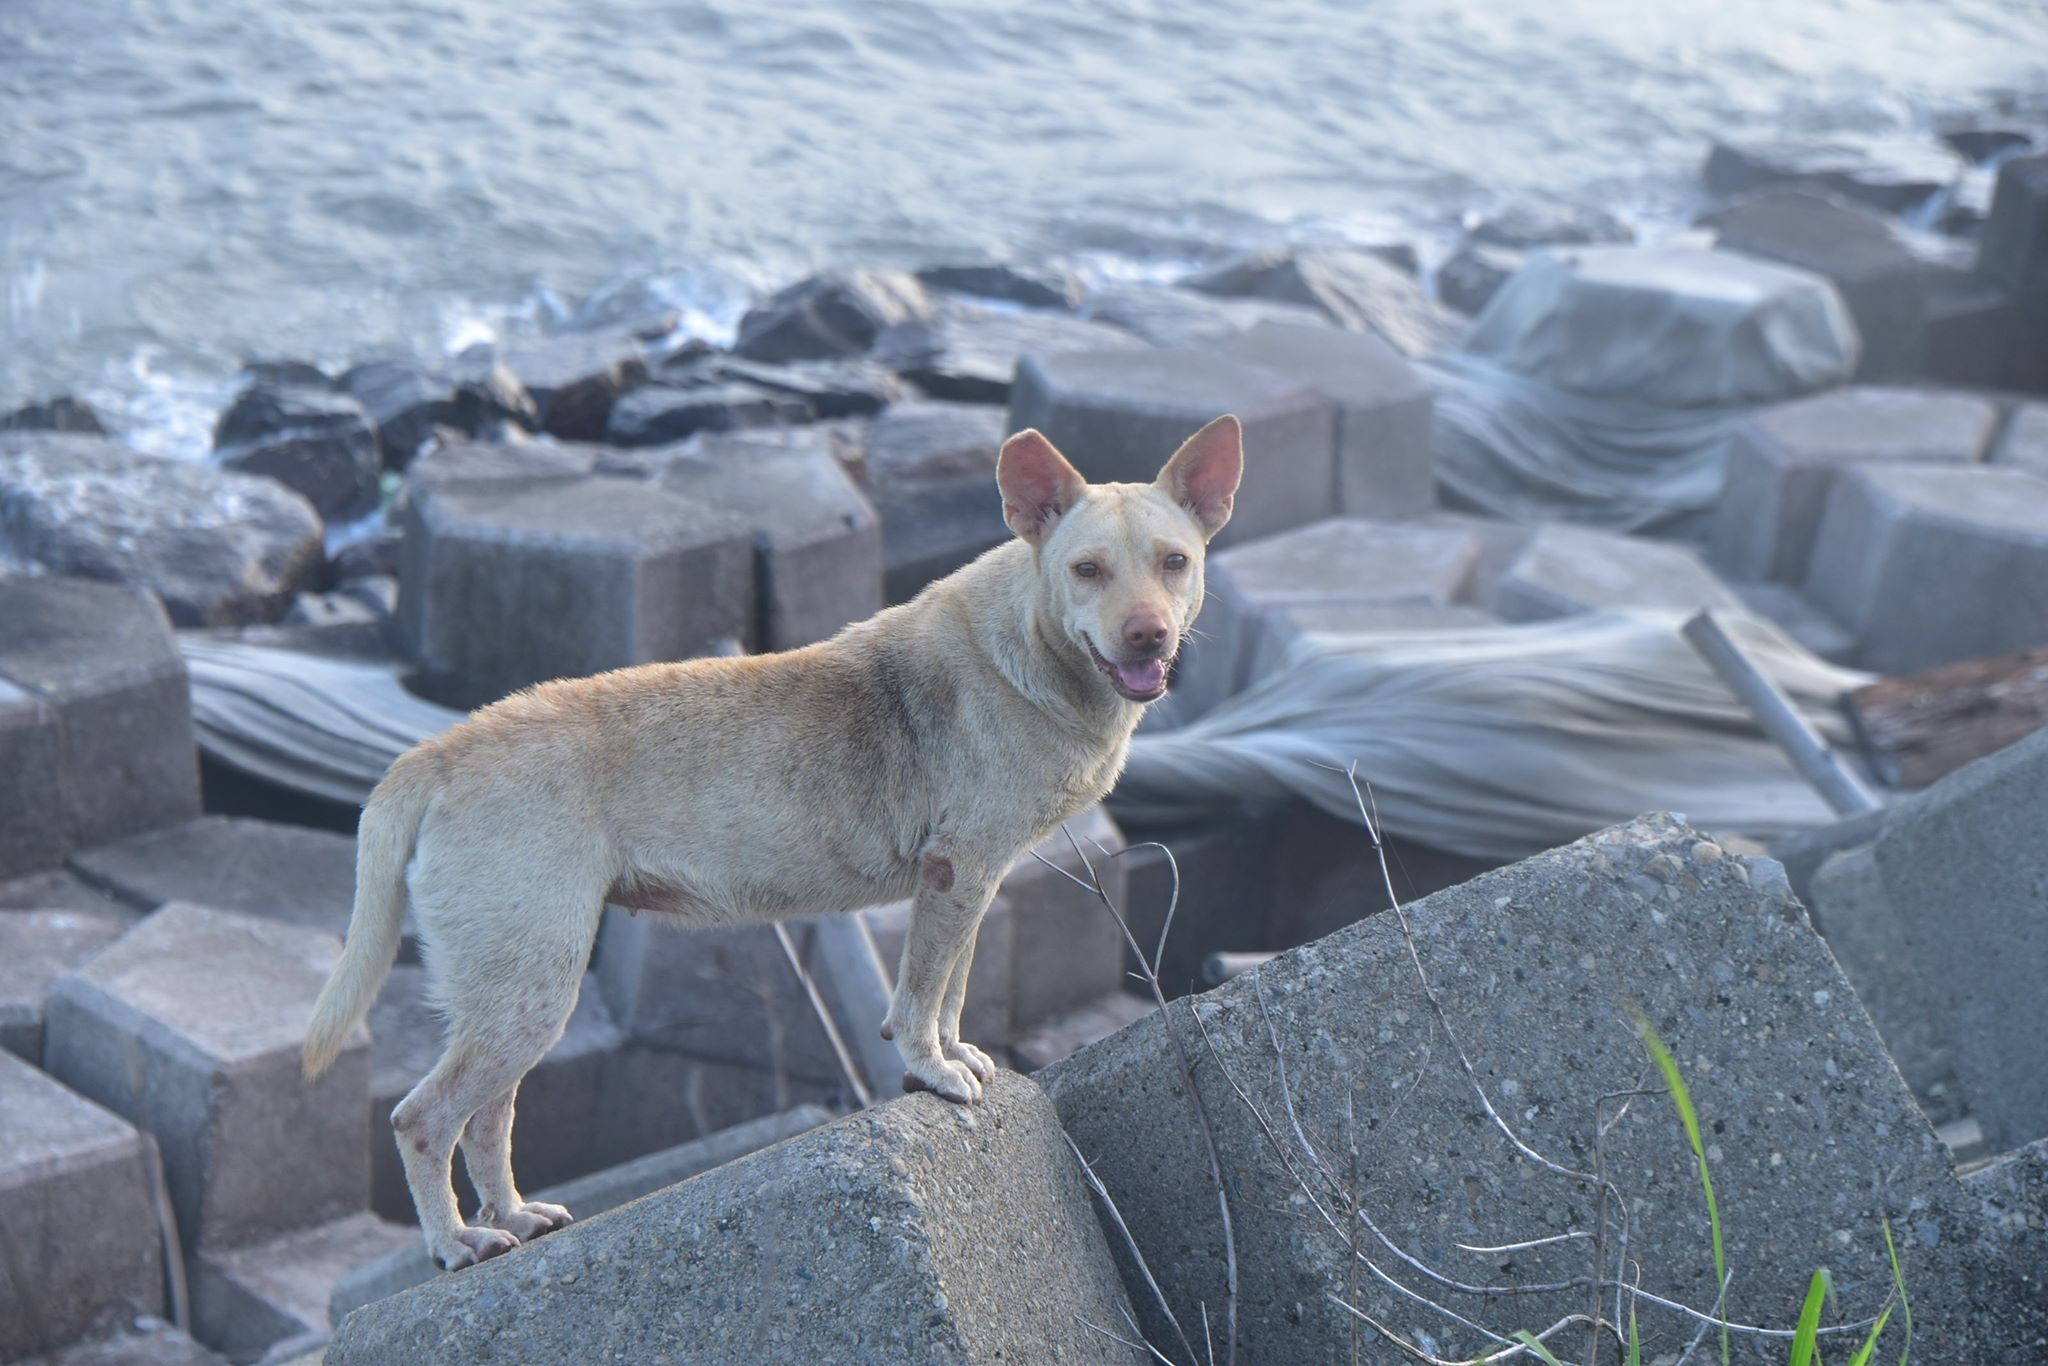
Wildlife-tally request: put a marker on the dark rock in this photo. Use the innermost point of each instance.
(2013, 256)
(1470, 277)
(407, 402)
(829, 315)
(276, 374)
(61, 414)
(315, 441)
(575, 379)
(1354, 288)
(970, 355)
(829, 388)
(220, 548)
(1980, 145)
(1892, 173)
(371, 555)
(1046, 287)
(659, 414)
(1543, 224)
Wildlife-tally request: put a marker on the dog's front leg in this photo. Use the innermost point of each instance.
(950, 1042)
(944, 917)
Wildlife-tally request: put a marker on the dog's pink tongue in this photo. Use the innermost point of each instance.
(1147, 675)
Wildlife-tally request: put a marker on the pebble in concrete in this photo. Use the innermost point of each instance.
(1567, 570)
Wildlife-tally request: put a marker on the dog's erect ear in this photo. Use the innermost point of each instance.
(1037, 484)
(1203, 474)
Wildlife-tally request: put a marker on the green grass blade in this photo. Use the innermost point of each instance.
(1899, 1280)
(1681, 1097)
(1862, 1357)
(1635, 1344)
(1804, 1337)
(1528, 1339)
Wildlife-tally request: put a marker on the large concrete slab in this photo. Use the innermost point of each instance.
(36, 948)
(2024, 443)
(1567, 570)
(272, 1297)
(1927, 565)
(1119, 415)
(916, 1231)
(1782, 462)
(191, 1026)
(79, 1185)
(931, 474)
(1793, 1087)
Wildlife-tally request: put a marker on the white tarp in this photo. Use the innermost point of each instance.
(1600, 383)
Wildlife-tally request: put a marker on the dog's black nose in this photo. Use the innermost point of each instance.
(1146, 632)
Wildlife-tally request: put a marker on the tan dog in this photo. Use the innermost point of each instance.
(920, 752)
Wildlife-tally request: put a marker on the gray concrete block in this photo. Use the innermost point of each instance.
(313, 440)
(1062, 1037)
(60, 889)
(584, 1196)
(1966, 868)
(1874, 944)
(1225, 867)
(1791, 1082)
(80, 1188)
(1567, 570)
(1928, 565)
(191, 1026)
(101, 661)
(931, 474)
(247, 1301)
(1782, 462)
(1891, 172)
(989, 1018)
(502, 589)
(1358, 289)
(1384, 410)
(1973, 331)
(32, 833)
(2013, 257)
(918, 1266)
(219, 548)
(818, 542)
(2024, 443)
(36, 948)
(1794, 613)
(1168, 316)
(1119, 416)
(148, 1341)
(970, 354)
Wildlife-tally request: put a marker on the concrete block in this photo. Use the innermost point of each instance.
(92, 684)
(148, 1341)
(1049, 1042)
(191, 1026)
(658, 413)
(2013, 256)
(1567, 570)
(1384, 410)
(502, 589)
(817, 541)
(1796, 615)
(989, 1019)
(1225, 891)
(219, 548)
(1168, 316)
(1874, 944)
(80, 1186)
(405, 1267)
(1782, 461)
(248, 1300)
(1119, 415)
(36, 948)
(2024, 444)
(1890, 172)
(829, 315)
(969, 354)
(1973, 331)
(1964, 864)
(313, 440)
(872, 1238)
(60, 889)
(1791, 1082)
(1357, 289)
(1928, 565)
(931, 474)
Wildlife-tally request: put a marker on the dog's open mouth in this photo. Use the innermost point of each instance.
(1143, 680)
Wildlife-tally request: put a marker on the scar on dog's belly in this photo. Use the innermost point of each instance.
(938, 873)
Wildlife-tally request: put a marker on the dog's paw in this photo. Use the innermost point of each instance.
(468, 1246)
(979, 1063)
(529, 1221)
(942, 1077)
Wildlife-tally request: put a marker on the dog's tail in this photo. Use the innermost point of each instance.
(384, 844)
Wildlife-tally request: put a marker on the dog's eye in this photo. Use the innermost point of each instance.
(1175, 563)
(1087, 569)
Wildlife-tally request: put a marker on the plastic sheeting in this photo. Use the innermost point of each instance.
(1600, 384)
(1494, 742)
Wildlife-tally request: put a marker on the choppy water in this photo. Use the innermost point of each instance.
(184, 183)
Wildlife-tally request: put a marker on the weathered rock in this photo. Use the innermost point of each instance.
(1495, 247)
(1031, 286)
(80, 1187)
(1931, 564)
(658, 414)
(576, 378)
(316, 442)
(1169, 316)
(1855, 250)
(509, 584)
(286, 372)
(1964, 866)
(407, 402)
(60, 414)
(828, 388)
(1983, 144)
(1892, 173)
(829, 315)
(191, 1026)
(1357, 289)
(1793, 1088)
(901, 1197)
(1384, 410)
(95, 706)
(36, 948)
(1471, 275)
(220, 548)
(1120, 414)
(817, 542)
(2024, 444)
(1567, 570)
(2013, 256)
(970, 354)
(931, 472)
(584, 1196)
(1783, 460)
(247, 1301)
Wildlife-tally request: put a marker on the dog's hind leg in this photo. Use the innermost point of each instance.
(487, 1152)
